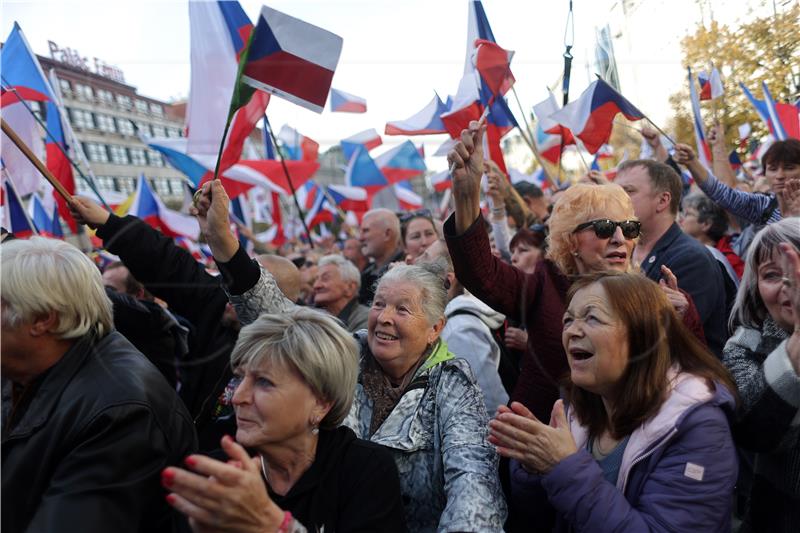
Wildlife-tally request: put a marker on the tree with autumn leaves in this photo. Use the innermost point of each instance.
(763, 49)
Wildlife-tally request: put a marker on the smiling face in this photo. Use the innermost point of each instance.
(595, 341)
(596, 254)
(274, 405)
(398, 330)
(420, 234)
(774, 293)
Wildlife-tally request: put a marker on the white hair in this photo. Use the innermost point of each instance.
(47, 275)
(387, 218)
(312, 342)
(429, 278)
(347, 269)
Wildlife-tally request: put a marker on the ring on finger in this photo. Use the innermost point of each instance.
(196, 197)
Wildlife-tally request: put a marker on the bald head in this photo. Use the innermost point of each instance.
(286, 274)
(380, 234)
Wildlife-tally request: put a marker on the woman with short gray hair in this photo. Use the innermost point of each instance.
(295, 380)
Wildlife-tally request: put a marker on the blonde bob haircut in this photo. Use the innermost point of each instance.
(312, 343)
(578, 204)
(41, 275)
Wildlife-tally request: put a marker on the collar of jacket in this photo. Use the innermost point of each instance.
(439, 355)
(49, 394)
(347, 310)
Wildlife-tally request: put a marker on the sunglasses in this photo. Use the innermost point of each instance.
(605, 228)
(408, 215)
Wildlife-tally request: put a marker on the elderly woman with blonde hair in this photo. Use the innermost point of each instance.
(412, 396)
(592, 228)
(295, 381)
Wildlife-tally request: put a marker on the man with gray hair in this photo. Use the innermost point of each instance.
(380, 241)
(336, 291)
(88, 421)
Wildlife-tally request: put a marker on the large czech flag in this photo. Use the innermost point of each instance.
(591, 117)
(149, 207)
(292, 59)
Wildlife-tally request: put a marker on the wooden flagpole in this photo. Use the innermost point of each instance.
(35, 161)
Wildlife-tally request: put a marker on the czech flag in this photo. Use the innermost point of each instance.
(734, 160)
(787, 114)
(703, 151)
(591, 117)
(424, 122)
(494, 65)
(537, 178)
(297, 146)
(22, 72)
(219, 32)
(401, 163)
(363, 172)
(15, 220)
(710, 85)
(321, 211)
(342, 102)
(551, 137)
(369, 139)
(784, 121)
(292, 59)
(349, 198)
(149, 207)
(407, 199)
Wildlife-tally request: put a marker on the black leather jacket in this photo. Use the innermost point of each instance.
(85, 444)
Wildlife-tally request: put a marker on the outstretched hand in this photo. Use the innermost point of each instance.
(519, 435)
(223, 496)
(466, 169)
(669, 284)
(85, 211)
(211, 209)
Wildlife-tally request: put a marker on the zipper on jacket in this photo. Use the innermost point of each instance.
(645, 456)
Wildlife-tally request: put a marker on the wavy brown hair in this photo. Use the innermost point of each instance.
(657, 340)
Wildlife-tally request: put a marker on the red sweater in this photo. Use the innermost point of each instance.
(536, 300)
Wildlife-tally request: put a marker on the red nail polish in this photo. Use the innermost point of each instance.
(167, 477)
(170, 499)
(190, 461)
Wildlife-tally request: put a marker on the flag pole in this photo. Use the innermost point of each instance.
(88, 181)
(35, 161)
(291, 186)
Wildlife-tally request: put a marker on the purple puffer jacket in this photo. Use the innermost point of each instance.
(677, 473)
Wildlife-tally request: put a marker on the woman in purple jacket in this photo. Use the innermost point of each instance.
(645, 443)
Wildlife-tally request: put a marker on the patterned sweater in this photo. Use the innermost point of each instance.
(769, 424)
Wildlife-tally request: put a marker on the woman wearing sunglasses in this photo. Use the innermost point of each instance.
(592, 229)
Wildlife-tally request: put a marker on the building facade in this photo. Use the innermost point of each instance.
(105, 114)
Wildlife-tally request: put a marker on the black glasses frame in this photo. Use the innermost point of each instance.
(604, 228)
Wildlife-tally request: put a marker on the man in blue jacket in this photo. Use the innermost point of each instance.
(655, 190)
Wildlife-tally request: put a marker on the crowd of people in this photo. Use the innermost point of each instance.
(610, 356)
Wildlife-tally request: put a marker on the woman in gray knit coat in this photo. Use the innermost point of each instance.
(764, 357)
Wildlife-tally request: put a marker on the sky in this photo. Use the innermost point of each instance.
(395, 53)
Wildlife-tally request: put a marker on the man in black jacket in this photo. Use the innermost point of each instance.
(88, 421)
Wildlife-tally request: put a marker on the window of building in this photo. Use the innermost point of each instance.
(144, 129)
(36, 107)
(157, 110)
(173, 132)
(124, 101)
(155, 158)
(118, 154)
(84, 91)
(124, 126)
(162, 187)
(159, 131)
(96, 152)
(66, 86)
(105, 96)
(137, 156)
(126, 185)
(82, 118)
(176, 186)
(82, 188)
(105, 123)
(105, 183)
(141, 105)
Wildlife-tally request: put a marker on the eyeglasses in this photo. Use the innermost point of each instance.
(605, 228)
(408, 215)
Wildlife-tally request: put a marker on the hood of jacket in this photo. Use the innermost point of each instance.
(470, 304)
(686, 393)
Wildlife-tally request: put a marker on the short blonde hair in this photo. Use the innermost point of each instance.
(44, 275)
(314, 344)
(581, 203)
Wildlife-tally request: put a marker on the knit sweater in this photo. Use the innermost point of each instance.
(768, 424)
